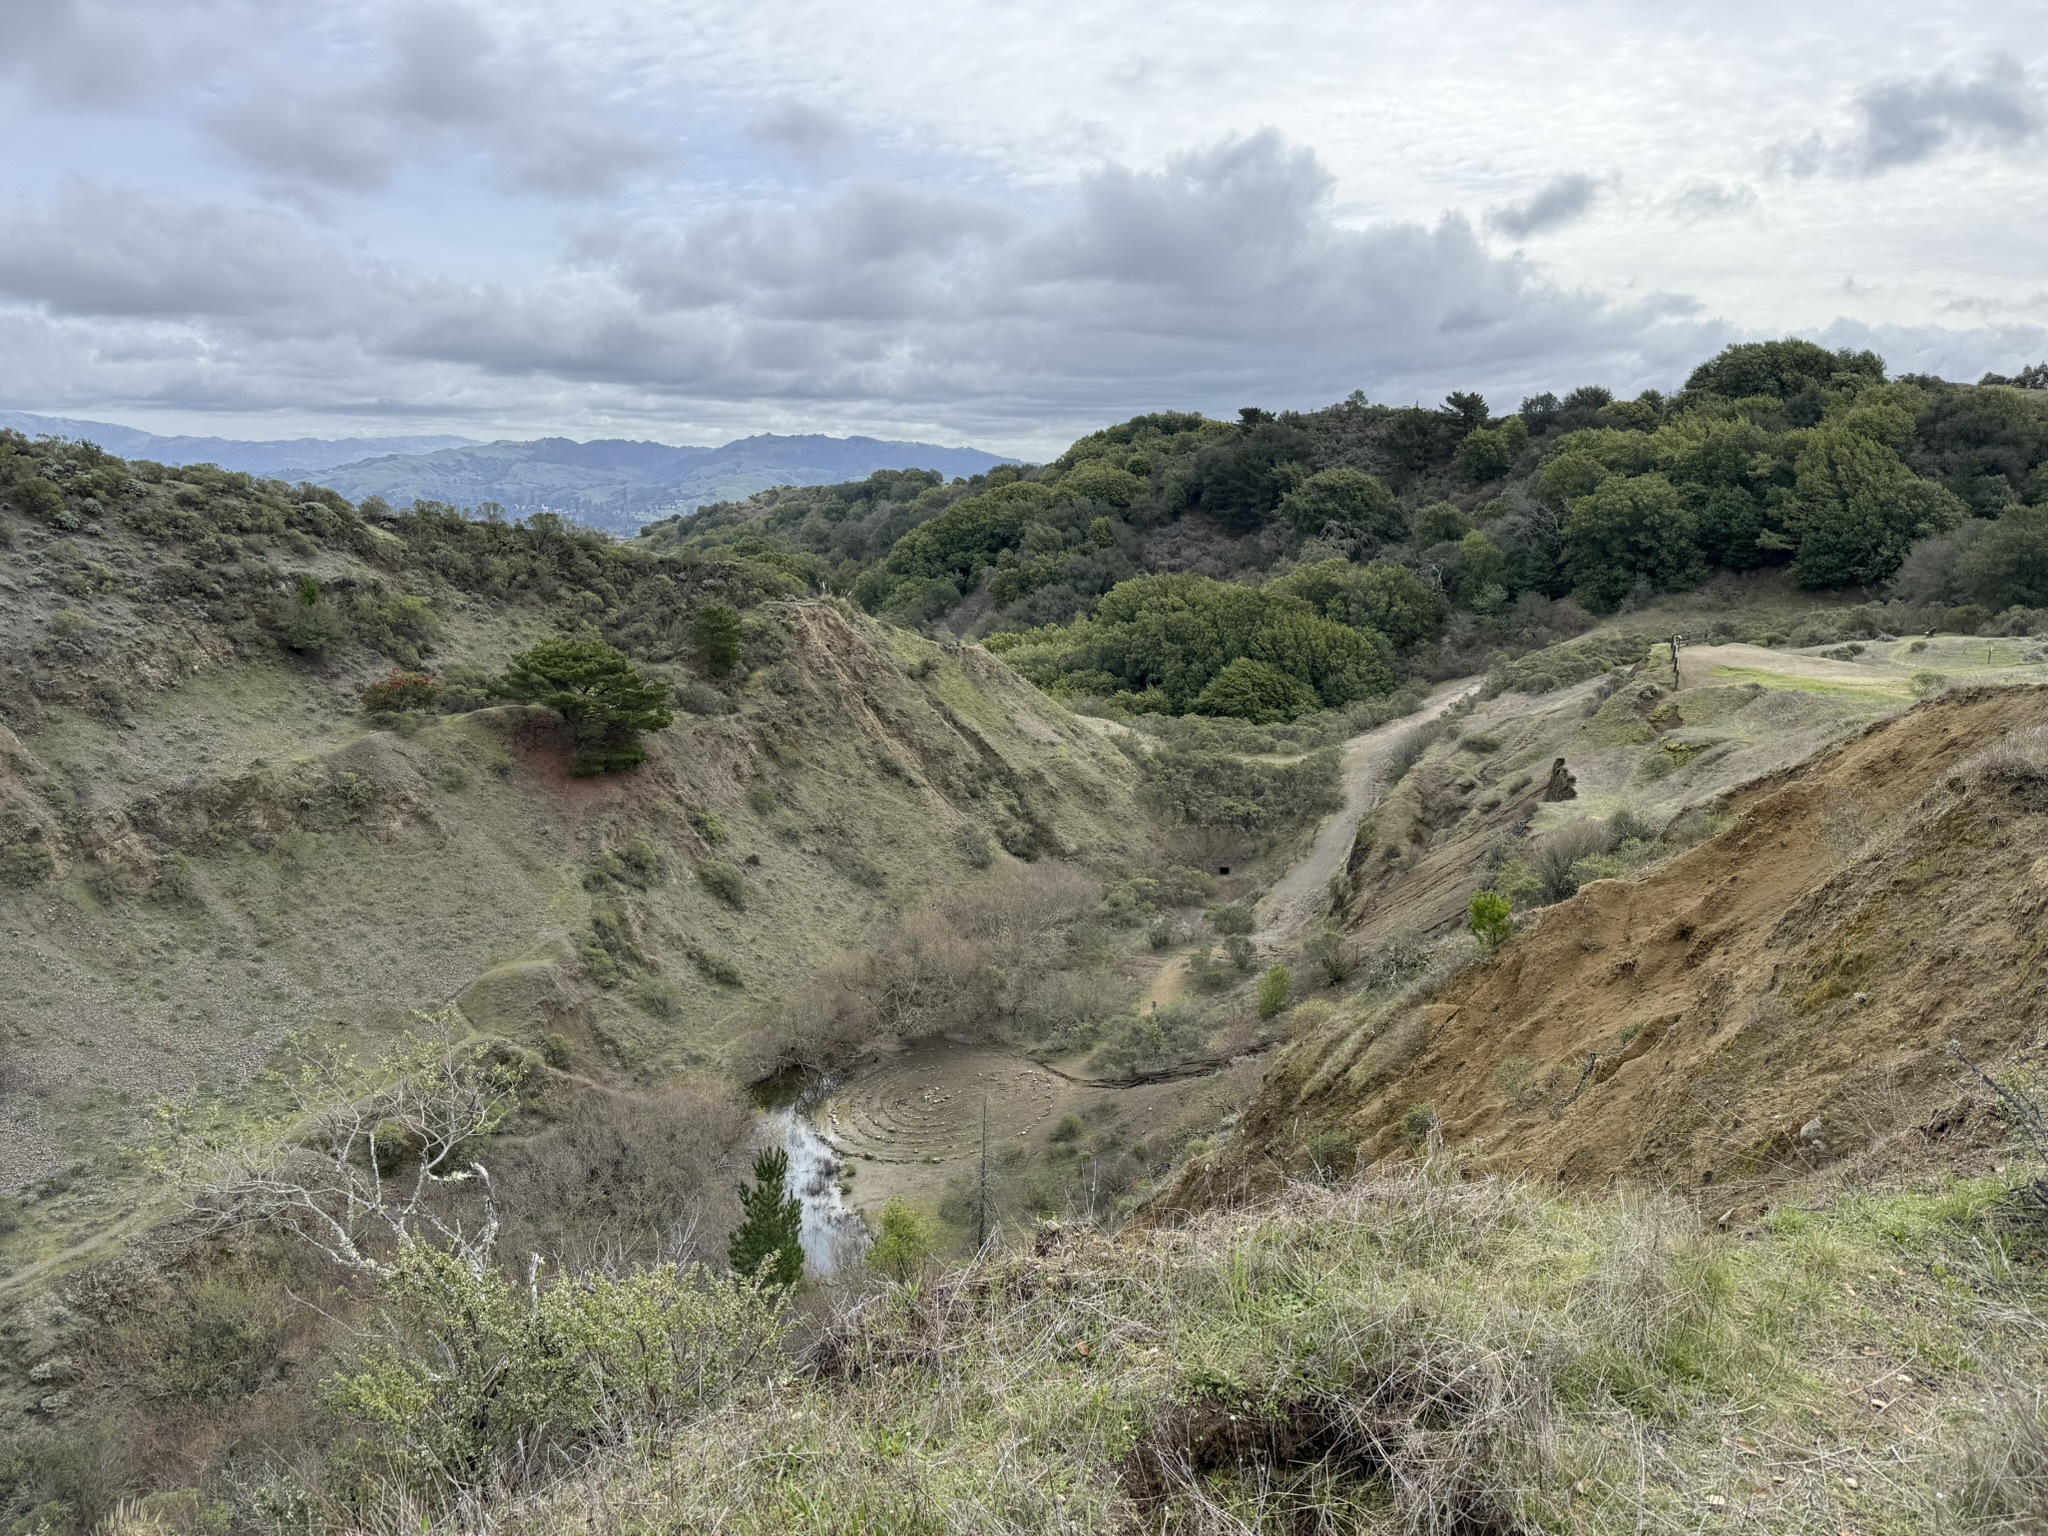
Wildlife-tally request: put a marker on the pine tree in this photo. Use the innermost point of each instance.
(604, 703)
(716, 634)
(767, 1247)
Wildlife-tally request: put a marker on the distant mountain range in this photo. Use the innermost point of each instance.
(612, 484)
(620, 485)
(294, 458)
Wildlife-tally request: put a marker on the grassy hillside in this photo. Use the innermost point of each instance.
(209, 845)
(370, 1104)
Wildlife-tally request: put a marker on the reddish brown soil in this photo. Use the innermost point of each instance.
(1688, 1028)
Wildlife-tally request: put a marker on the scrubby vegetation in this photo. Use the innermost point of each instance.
(512, 1274)
(1279, 564)
(1410, 1351)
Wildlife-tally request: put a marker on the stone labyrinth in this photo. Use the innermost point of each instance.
(925, 1106)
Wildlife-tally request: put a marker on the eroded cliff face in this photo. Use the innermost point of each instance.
(1748, 1013)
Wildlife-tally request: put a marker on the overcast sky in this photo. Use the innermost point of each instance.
(999, 223)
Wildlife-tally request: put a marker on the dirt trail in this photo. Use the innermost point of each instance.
(1774, 999)
(1303, 891)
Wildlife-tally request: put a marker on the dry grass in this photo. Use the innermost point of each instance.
(1409, 1353)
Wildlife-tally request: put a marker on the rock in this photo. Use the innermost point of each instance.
(1562, 785)
(56, 1368)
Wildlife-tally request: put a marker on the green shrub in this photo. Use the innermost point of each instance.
(475, 1379)
(1557, 858)
(1332, 1154)
(1417, 1121)
(1232, 919)
(1347, 502)
(1409, 747)
(725, 881)
(706, 824)
(1333, 957)
(652, 995)
(1491, 919)
(1158, 642)
(904, 1242)
(1220, 789)
(307, 623)
(1143, 1042)
(556, 1050)
(39, 498)
(635, 865)
(697, 698)
(1515, 1077)
(714, 967)
(1275, 988)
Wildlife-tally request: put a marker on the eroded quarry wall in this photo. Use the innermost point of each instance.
(1745, 1014)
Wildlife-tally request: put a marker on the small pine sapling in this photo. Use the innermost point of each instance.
(1491, 919)
(767, 1247)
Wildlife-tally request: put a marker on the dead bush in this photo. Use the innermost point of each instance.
(998, 957)
(1557, 857)
(634, 1177)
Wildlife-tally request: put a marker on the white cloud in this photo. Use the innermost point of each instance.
(985, 215)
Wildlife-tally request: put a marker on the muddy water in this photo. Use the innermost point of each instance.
(832, 1232)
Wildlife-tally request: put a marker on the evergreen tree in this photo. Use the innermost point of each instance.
(766, 1246)
(601, 699)
(715, 632)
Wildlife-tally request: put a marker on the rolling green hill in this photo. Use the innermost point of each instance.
(1047, 863)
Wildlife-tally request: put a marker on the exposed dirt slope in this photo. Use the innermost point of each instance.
(1628, 742)
(1752, 1010)
(1304, 891)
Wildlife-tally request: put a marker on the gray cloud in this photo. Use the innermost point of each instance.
(101, 251)
(1910, 119)
(1712, 200)
(804, 129)
(1907, 119)
(1564, 200)
(107, 53)
(1218, 277)
(445, 79)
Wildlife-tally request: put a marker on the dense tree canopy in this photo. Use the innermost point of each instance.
(1347, 501)
(1159, 642)
(1478, 528)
